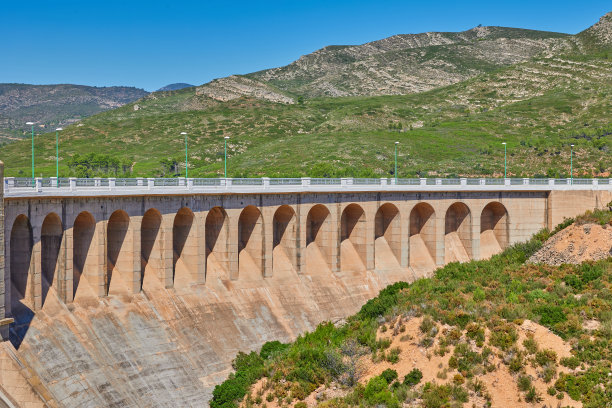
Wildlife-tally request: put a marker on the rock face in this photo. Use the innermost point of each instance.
(169, 347)
(234, 87)
(576, 244)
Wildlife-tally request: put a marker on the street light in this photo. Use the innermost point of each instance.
(505, 161)
(32, 123)
(396, 143)
(57, 155)
(186, 164)
(572, 164)
(225, 161)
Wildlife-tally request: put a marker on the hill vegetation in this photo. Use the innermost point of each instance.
(51, 106)
(472, 318)
(539, 106)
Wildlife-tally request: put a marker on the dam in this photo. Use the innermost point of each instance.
(139, 292)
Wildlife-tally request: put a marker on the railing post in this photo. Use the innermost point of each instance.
(383, 181)
(343, 181)
(72, 181)
(423, 181)
(111, 183)
(305, 181)
(551, 182)
(228, 182)
(10, 182)
(189, 183)
(506, 181)
(463, 181)
(525, 181)
(181, 181)
(482, 182)
(139, 181)
(349, 181)
(595, 182)
(569, 181)
(54, 182)
(97, 182)
(266, 182)
(438, 181)
(150, 183)
(38, 184)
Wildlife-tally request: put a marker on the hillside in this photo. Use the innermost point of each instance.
(50, 106)
(174, 87)
(539, 107)
(493, 333)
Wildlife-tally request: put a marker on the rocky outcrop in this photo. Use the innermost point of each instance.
(234, 87)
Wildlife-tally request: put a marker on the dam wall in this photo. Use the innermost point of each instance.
(131, 300)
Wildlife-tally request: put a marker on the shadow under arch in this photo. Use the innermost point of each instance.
(458, 233)
(119, 260)
(284, 246)
(494, 231)
(353, 238)
(22, 297)
(250, 242)
(216, 230)
(387, 237)
(318, 240)
(51, 235)
(151, 264)
(422, 238)
(184, 248)
(83, 233)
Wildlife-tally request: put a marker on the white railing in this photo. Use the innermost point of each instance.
(22, 187)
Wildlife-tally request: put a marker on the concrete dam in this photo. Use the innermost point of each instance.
(140, 292)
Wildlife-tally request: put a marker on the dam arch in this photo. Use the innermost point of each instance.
(251, 243)
(51, 235)
(387, 237)
(216, 227)
(151, 261)
(494, 230)
(284, 242)
(422, 233)
(458, 233)
(119, 254)
(353, 238)
(84, 261)
(318, 239)
(22, 279)
(184, 247)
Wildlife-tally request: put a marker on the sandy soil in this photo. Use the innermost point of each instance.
(576, 244)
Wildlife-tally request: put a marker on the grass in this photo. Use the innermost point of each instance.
(513, 291)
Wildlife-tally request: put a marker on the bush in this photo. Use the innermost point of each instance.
(386, 299)
(545, 357)
(393, 355)
(413, 377)
(389, 375)
(530, 345)
(249, 368)
(272, 348)
(503, 336)
(550, 315)
(570, 362)
(377, 392)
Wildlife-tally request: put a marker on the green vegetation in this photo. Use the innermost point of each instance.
(560, 298)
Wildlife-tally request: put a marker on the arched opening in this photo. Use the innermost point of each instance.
(250, 243)
(119, 254)
(422, 238)
(150, 250)
(387, 238)
(458, 234)
(284, 254)
(493, 230)
(185, 247)
(22, 296)
(83, 260)
(318, 240)
(50, 243)
(353, 238)
(217, 243)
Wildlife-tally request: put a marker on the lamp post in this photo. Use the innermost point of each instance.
(505, 161)
(186, 164)
(32, 124)
(57, 155)
(572, 164)
(396, 143)
(225, 161)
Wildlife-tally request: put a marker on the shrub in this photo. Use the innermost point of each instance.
(503, 336)
(545, 357)
(413, 377)
(550, 315)
(272, 348)
(393, 355)
(570, 362)
(426, 325)
(377, 392)
(386, 299)
(249, 368)
(530, 345)
(300, 404)
(389, 375)
(532, 395)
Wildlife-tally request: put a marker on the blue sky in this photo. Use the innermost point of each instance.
(149, 44)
